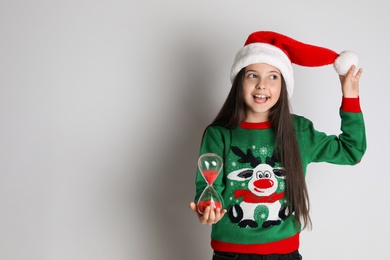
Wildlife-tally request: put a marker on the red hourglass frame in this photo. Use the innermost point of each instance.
(210, 165)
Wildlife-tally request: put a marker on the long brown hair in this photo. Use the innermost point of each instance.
(232, 114)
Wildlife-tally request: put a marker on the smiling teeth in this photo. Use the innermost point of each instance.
(261, 96)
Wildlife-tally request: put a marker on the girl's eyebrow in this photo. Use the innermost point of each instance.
(251, 71)
(271, 71)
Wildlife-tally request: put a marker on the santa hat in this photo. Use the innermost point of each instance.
(281, 51)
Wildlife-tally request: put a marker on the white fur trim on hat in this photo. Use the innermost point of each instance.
(344, 62)
(264, 53)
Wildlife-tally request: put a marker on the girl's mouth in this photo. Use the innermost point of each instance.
(260, 98)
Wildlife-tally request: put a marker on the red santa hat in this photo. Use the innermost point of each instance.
(281, 51)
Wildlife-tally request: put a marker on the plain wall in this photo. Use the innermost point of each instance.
(102, 108)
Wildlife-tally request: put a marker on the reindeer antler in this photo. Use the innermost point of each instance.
(246, 158)
(274, 158)
(272, 161)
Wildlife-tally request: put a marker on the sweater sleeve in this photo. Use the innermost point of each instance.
(348, 147)
(213, 142)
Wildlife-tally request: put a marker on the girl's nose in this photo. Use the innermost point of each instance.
(260, 85)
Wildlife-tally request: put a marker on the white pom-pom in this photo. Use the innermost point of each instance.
(344, 62)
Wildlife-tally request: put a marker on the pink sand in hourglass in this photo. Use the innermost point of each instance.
(210, 175)
(203, 204)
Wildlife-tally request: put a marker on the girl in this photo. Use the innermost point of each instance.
(266, 149)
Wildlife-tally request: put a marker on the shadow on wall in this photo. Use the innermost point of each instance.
(174, 227)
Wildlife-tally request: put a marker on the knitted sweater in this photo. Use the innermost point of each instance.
(252, 184)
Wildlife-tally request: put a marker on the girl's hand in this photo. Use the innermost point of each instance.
(209, 216)
(350, 83)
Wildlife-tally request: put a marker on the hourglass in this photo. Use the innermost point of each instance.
(210, 165)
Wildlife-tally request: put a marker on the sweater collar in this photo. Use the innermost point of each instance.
(260, 125)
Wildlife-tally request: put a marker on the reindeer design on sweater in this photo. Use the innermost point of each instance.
(262, 186)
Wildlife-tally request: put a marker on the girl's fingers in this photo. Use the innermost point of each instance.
(351, 70)
(210, 215)
(219, 214)
(206, 214)
(193, 206)
(211, 219)
(359, 73)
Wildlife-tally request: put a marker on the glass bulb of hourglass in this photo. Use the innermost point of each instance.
(210, 165)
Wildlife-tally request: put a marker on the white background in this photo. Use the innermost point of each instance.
(102, 108)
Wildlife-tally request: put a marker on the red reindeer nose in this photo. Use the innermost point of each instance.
(264, 183)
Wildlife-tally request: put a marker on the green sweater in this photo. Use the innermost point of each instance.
(252, 184)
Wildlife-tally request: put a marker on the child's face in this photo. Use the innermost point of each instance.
(261, 90)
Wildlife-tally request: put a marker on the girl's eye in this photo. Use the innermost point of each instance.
(273, 76)
(252, 76)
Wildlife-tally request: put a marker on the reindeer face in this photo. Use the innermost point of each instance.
(263, 181)
(263, 178)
